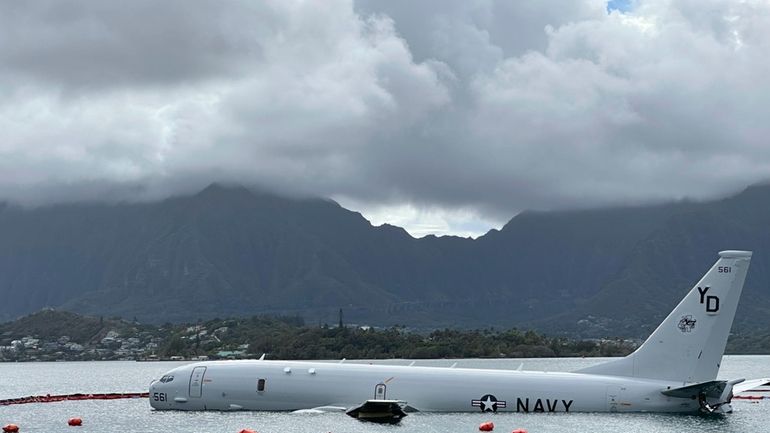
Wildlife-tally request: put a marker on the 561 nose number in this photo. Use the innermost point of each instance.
(159, 396)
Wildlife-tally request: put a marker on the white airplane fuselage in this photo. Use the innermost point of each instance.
(290, 385)
(674, 370)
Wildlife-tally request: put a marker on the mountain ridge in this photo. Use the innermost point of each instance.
(229, 250)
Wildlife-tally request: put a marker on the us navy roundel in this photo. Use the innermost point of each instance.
(488, 403)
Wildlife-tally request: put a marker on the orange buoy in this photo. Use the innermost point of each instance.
(247, 431)
(519, 430)
(487, 426)
(75, 422)
(11, 428)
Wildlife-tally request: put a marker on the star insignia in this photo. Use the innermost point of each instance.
(488, 403)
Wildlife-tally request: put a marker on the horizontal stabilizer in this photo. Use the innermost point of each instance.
(714, 395)
(750, 385)
(713, 389)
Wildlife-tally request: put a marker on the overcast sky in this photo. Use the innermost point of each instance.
(442, 116)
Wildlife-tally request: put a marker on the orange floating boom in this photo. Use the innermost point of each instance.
(48, 398)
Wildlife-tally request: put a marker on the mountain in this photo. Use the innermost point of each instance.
(234, 251)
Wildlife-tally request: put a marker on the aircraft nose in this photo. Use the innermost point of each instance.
(159, 392)
(154, 390)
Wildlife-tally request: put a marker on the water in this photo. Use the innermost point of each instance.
(135, 415)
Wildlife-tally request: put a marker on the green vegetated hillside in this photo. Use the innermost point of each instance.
(231, 251)
(52, 324)
(51, 335)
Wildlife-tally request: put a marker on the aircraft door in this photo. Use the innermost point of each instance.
(196, 381)
(379, 391)
(614, 394)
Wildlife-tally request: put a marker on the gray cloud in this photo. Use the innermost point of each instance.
(443, 110)
(93, 44)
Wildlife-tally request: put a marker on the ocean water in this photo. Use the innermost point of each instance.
(135, 415)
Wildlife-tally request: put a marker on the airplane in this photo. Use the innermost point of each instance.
(674, 370)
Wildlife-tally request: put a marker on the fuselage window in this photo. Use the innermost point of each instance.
(260, 385)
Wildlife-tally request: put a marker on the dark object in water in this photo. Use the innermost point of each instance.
(379, 411)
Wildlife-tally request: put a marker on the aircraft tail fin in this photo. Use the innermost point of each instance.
(688, 346)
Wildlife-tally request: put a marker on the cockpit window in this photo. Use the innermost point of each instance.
(167, 378)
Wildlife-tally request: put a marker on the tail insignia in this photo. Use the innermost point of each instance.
(712, 302)
(687, 323)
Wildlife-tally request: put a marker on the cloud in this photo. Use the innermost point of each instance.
(95, 45)
(440, 114)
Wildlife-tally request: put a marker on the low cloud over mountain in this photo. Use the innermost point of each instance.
(448, 114)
